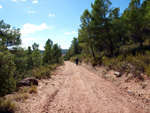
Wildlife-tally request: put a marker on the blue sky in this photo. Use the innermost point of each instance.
(40, 20)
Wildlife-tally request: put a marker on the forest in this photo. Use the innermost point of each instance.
(106, 37)
(119, 41)
(17, 63)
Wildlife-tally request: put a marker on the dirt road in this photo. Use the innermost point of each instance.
(74, 89)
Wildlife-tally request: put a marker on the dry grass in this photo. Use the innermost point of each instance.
(20, 97)
(33, 89)
(7, 106)
(25, 89)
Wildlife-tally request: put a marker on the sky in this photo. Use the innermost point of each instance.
(40, 20)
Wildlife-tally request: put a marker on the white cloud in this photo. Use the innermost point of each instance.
(1, 7)
(32, 12)
(14, 0)
(28, 40)
(31, 28)
(65, 46)
(51, 15)
(23, 0)
(35, 1)
(69, 33)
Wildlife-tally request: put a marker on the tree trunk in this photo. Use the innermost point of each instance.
(110, 41)
(91, 44)
(93, 53)
(141, 42)
(149, 44)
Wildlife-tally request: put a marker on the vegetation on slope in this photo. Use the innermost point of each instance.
(119, 41)
(16, 63)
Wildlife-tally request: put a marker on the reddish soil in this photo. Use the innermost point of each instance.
(76, 89)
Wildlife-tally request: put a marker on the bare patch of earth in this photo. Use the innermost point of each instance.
(76, 89)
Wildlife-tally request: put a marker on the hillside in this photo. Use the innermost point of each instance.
(63, 51)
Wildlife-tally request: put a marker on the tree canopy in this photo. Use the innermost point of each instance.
(9, 36)
(17, 63)
(104, 31)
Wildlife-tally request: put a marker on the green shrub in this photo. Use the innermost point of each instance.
(6, 106)
(61, 60)
(109, 62)
(7, 69)
(139, 63)
(147, 70)
(43, 71)
(52, 67)
(73, 59)
(79, 56)
(36, 57)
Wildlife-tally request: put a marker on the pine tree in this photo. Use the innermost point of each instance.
(135, 21)
(101, 23)
(47, 59)
(29, 59)
(7, 70)
(145, 11)
(75, 46)
(56, 53)
(9, 36)
(85, 33)
(36, 56)
(35, 46)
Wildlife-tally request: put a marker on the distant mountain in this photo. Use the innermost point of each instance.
(42, 52)
(63, 51)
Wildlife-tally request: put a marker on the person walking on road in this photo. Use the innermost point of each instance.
(77, 60)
